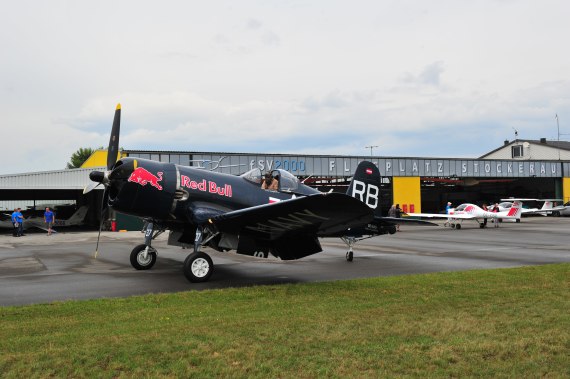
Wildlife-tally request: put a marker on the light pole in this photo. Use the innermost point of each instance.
(558, 126)
(370, 147)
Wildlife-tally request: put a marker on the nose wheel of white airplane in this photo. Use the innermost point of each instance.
(349, 256)
(143, 258)
(198, 267)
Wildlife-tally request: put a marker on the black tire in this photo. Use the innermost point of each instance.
(349, 256)
(458, 226)
(137, 260)
(453, 226)
(198, 267)
(556, 214)
(481, 226)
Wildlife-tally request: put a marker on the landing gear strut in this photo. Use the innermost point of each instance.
(349, 241)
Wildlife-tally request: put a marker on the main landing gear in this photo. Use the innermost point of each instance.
(198, 266)
(454, 224)
(143, 257)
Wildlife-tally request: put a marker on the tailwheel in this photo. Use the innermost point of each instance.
(198, 267)
(143, 259)
(458, 226)
(349, 256)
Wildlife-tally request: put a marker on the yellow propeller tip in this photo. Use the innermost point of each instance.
(118, 106)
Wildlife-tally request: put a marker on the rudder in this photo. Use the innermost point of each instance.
(365, 185)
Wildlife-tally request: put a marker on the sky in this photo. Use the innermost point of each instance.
(442, 78)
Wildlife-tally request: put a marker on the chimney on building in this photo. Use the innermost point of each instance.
(506, 142)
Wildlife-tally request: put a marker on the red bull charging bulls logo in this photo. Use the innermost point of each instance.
(142, 177)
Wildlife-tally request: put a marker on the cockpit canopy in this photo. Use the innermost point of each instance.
(461, 207)
(253, 176)
(287, 181)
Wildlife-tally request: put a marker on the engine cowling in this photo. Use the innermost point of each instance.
(143, 188)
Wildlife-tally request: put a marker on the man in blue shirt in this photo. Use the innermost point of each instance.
(14, 222)
(49, 217)
(448, 209)
(18, 222)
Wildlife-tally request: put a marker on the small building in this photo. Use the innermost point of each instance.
(522, 149)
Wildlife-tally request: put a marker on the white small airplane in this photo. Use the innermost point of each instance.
(38, 222)
(470, 211)
(547, 208)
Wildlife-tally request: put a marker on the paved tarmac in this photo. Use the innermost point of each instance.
(41, 269)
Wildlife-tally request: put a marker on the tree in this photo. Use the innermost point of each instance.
(79, 157)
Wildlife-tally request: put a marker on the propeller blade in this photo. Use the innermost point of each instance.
(102, 214)
(90, 187)
(113, 149)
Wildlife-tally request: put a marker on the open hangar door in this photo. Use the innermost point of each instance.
(436, 192)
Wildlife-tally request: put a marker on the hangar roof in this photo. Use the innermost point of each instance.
(47, 180)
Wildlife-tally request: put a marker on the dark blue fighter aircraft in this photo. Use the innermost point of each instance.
(227, 212)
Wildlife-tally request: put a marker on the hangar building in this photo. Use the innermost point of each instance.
(521, 168)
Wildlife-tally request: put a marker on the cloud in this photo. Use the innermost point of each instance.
(430, 75)
(414, 80)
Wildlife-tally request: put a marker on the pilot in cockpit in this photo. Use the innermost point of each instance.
(270, 182)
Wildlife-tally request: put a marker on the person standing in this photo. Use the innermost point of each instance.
(448, 209)
(496, 210)
(18, 221)
(484, 207)
(398, 215)
(15, 222)
(49, 218)
(392, 211)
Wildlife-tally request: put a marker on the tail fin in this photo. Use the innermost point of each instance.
(516, 210)
(547, 205)
(77, 217)
(365, 185)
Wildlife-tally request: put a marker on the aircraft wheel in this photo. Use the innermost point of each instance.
(556, 214)
(349, 256)
(481, 226)
(453, 226)
(458, 226)
(137, 257)
(198, 267)
(518, 220)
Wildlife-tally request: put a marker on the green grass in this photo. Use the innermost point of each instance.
(492, 323)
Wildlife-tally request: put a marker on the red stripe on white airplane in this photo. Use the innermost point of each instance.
(514, 209)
